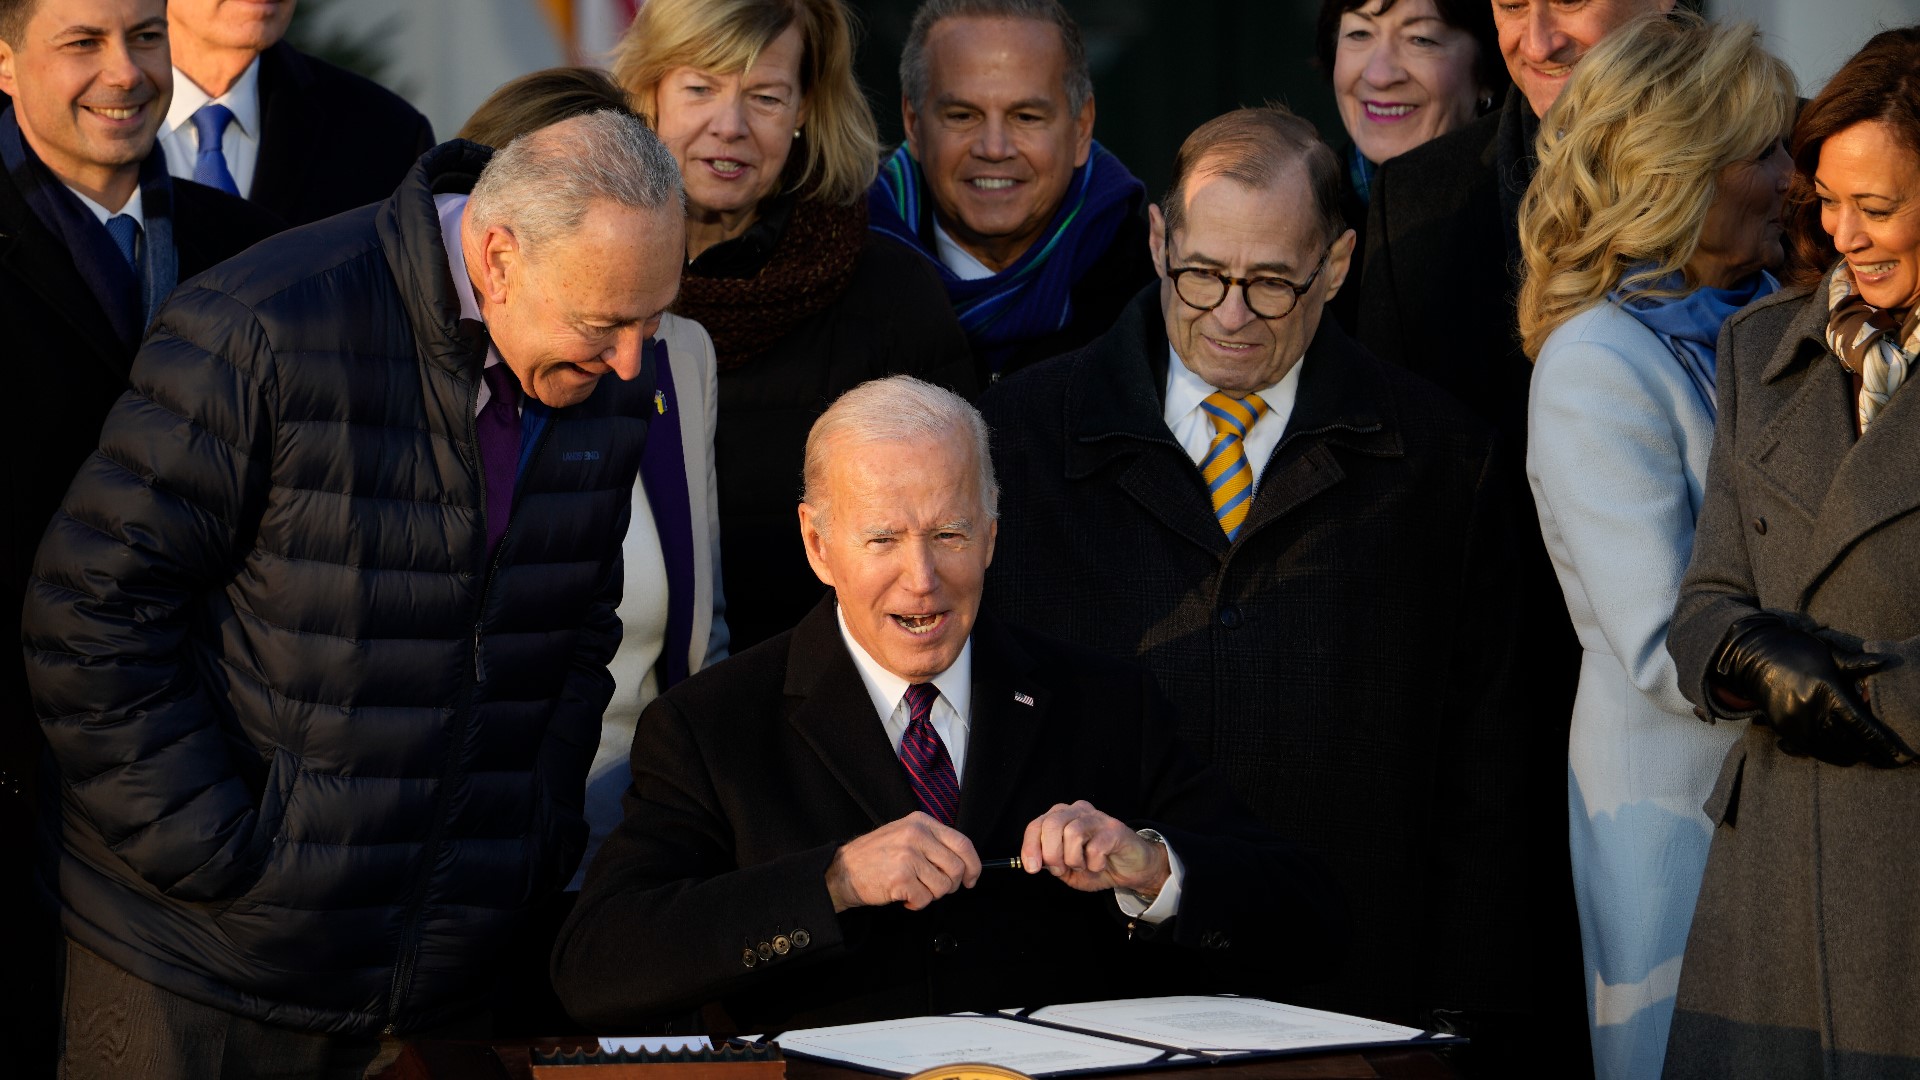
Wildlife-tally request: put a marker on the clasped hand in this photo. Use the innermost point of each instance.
(1809, 691)
(916, 860)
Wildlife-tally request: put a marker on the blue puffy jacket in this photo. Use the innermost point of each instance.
(315, 753)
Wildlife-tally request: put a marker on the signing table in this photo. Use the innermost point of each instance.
(513, 1061)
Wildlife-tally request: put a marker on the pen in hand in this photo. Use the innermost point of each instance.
(1001, 864)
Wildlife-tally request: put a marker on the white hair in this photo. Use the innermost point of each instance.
(540, 186)
(899, 408)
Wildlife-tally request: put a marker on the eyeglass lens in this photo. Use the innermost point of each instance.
(1268, 298)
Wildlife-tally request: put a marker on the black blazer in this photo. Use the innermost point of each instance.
(67, 365)
(330, 140)
(748, 777)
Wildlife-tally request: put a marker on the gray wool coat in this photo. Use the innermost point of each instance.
(1804, 957)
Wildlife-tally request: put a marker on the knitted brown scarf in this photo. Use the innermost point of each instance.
(808, 270)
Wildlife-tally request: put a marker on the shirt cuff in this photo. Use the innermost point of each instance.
(1167, 904)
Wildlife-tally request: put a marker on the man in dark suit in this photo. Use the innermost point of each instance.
(804, 833)
(1305, 545)
(1036, 229)
(289, 132)
(76, 140)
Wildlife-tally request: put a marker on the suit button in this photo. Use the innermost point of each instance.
(1760, 525)
(765, 950)
(749, 957)
(944, 943)
(801, 939)
(781, 945)
(1230, 617)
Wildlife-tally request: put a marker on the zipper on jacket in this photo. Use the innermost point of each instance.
(410, 928)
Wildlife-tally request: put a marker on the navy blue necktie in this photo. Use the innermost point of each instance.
(929, 768)
(210, 164)
(126, 236)
(499, 430)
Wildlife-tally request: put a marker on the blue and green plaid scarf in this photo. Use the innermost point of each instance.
(1034, 295)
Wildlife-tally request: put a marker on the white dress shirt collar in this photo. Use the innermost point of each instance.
(239, 143)
(453, 209)
(956, 258)
(242, 99)
(1192, 428)
(952, 714)
(135, 208)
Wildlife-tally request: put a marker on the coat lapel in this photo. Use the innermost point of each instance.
(1010, 708)
(1340, 400)
(1809, 452)
(287, 155)
(1116, 415)
(829, 707)
(1872, 485)
(38, 262)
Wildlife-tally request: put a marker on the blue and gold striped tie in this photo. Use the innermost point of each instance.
(1229, 477)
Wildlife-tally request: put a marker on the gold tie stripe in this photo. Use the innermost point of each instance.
(1229, 477)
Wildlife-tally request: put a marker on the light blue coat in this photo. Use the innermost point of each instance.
(1617, 447)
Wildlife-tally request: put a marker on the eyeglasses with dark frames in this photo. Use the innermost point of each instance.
(1267, 297)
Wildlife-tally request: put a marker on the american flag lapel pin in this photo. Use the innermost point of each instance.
(1024, 699)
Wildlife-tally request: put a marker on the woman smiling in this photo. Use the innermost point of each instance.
(1403, 72)
(1801, 611)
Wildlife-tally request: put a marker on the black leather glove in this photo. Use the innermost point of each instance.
(1808, 692)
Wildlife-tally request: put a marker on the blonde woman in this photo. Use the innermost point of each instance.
(1655, 214)
(757, 101)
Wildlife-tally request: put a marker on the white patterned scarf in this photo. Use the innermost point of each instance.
(1871, 342)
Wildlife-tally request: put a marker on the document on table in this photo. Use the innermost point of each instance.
(1210, 1024)
(1098, 1036)
(904, 1047)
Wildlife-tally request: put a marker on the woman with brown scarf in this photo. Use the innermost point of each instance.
(776, 144)
(1801, 611)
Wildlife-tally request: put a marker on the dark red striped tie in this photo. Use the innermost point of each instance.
(929, 769)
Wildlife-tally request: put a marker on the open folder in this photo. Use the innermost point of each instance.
(1100, 1036)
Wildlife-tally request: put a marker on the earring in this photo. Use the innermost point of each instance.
(1486, 101)
(796, 133)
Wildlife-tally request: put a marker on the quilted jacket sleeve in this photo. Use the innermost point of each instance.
(154, 521)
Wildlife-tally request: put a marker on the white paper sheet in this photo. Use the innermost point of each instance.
(655, 1045)
(904, 1047)
(1208, 1023)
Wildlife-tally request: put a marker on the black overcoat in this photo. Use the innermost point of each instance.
(1344, 662)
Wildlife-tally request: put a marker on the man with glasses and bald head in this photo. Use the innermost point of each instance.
(1304, 545)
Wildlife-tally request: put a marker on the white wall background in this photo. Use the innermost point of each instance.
(453, 53)
(448, 55)
(1815, 37)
